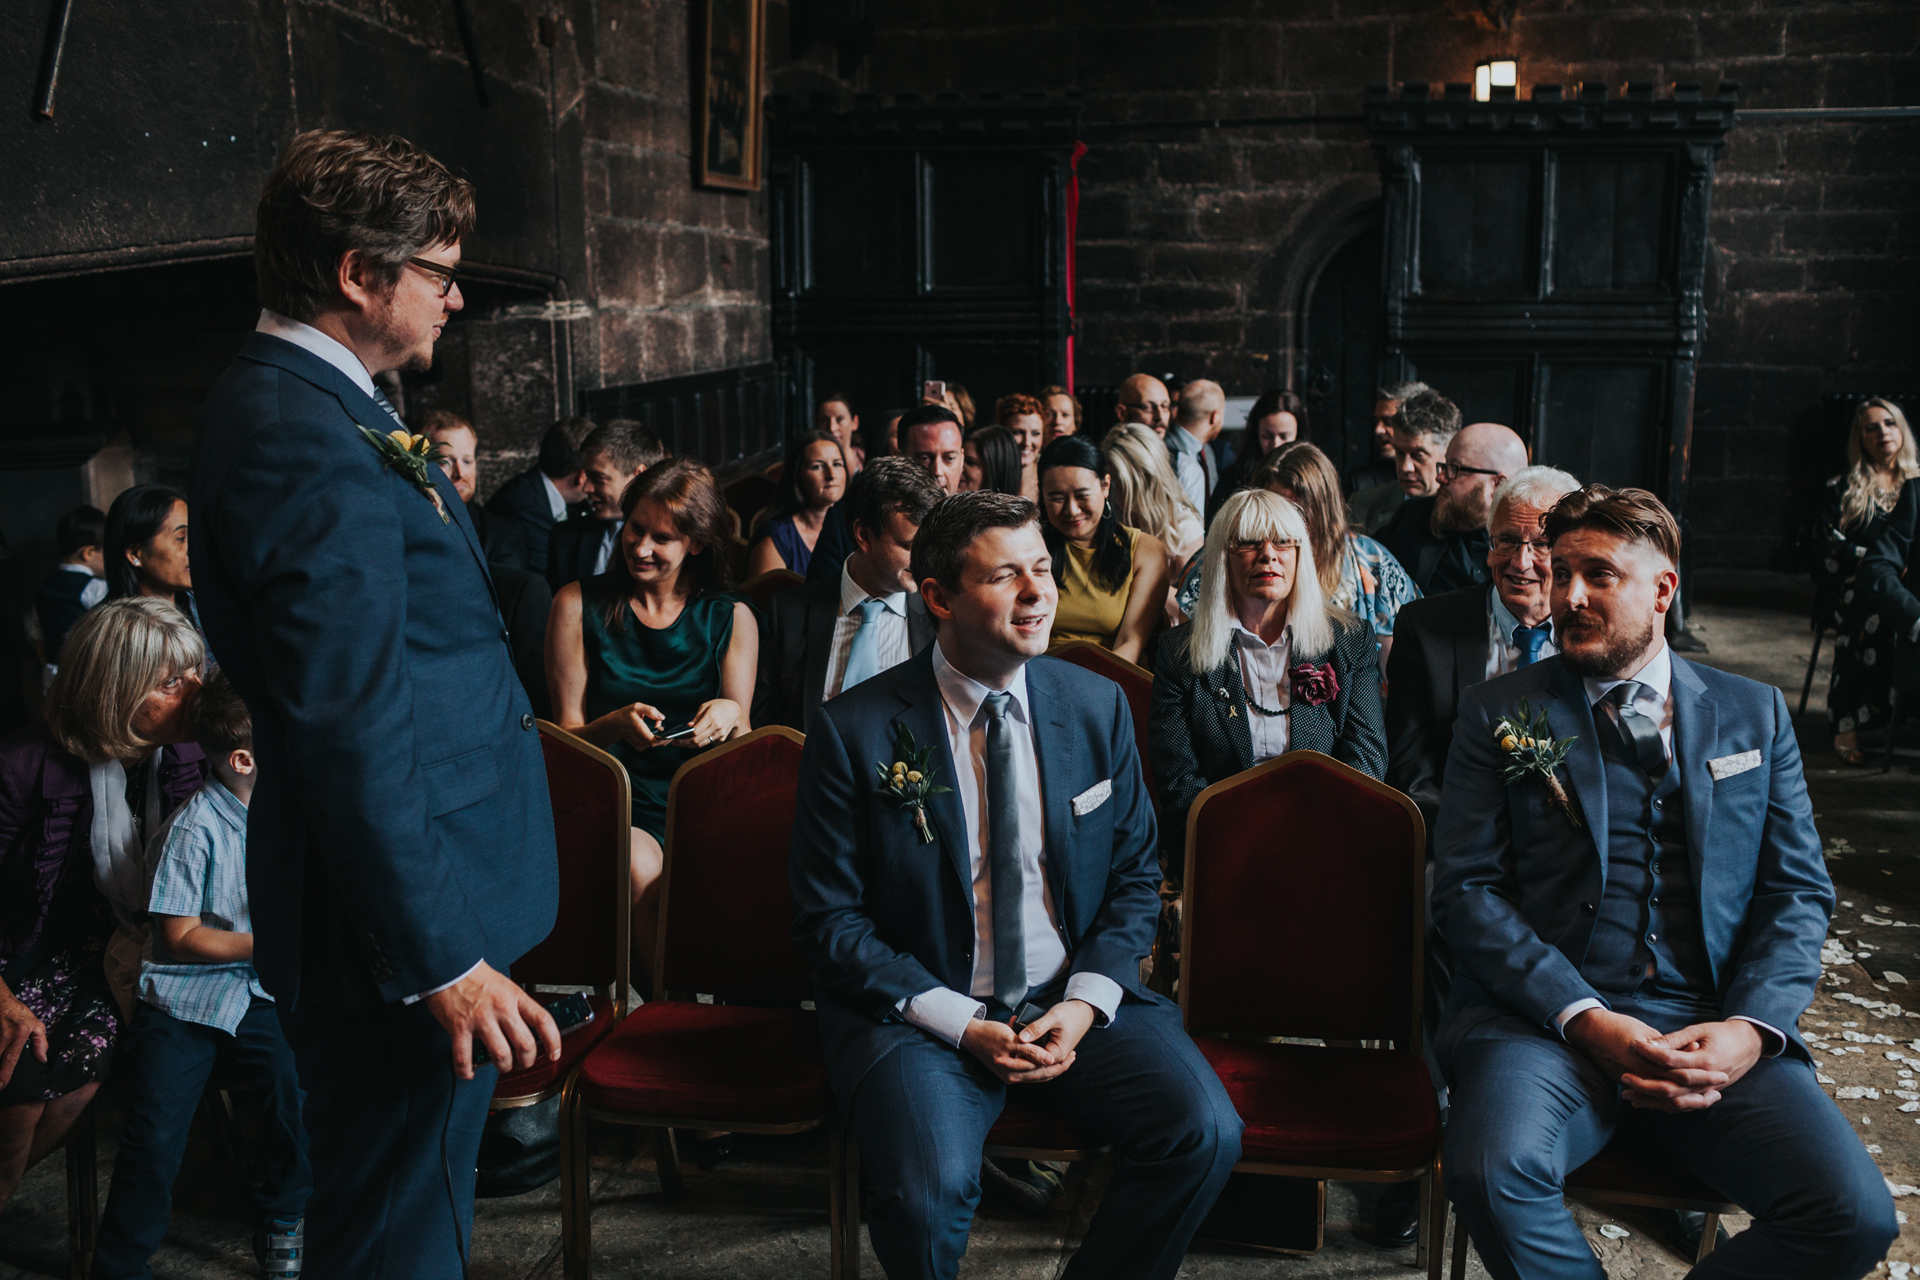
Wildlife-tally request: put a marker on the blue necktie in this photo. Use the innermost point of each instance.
(1530, 640)
(863, 656)
(1005, 875)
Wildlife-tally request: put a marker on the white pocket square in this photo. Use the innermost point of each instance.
(1727, 766)
(1092, 798)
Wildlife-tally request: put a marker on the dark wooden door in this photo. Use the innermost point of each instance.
(1343, 353)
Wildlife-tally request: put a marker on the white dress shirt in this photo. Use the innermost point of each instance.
(946, 1013)
(609, 539)
(890, 629)
(1503, 655)
(1263, 670)
(308, 338)
(1655, 701)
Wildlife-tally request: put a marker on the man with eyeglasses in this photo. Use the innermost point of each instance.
(1441, 539)
(1144, 399)
(1442, 646)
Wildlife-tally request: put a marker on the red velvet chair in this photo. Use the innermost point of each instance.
(592, 804)
(749, 1062)
(763, 587)
(1304, 908)
(1134, 681)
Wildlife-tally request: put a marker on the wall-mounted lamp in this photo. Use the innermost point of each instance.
(1495, 73)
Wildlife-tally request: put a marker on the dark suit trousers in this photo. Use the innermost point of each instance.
(922, 1113)
(1527, 1109)
(396, 1136)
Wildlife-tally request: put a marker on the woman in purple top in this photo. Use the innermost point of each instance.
(78, 796)
(814, 478)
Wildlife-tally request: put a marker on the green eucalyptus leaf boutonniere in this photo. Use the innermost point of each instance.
(1533, 753)
(410, 455)
(909, 779)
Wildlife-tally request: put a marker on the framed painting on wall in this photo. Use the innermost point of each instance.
(727, 89)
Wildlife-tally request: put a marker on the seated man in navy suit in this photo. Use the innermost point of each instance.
(1638, 928)
(974, 877)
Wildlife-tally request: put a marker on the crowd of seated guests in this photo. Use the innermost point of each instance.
(812, 479)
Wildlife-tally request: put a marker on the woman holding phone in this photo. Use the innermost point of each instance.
(654, 657)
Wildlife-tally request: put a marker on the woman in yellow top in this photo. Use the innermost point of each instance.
(1112, 579)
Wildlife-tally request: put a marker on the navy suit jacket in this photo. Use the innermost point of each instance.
(524, 498)
(401, 806)
(796, 642)
(1514, 879)
(884, 917)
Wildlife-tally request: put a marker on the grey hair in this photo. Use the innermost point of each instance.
(1248, 515)
(1398, 391)
(1536, 486)
(118, 653)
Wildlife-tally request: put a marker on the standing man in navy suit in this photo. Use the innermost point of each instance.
(400, 845)
(989, 936)
(1637, 928)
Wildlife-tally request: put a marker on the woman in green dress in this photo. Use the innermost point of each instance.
(653, 645)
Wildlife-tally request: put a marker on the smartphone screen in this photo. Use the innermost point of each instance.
(933, 392)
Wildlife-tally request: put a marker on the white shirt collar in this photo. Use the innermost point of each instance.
(308, 338)
(556, 503)
(963, 694)
(1656, 674)
(853, 595)
(1243, 636)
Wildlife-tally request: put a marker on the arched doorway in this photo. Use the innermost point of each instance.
(1340, 354)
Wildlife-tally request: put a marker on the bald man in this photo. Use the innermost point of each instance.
(1202, 411)
(1144, 399)
(1441, 540)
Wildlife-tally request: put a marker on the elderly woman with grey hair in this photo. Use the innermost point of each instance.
(1265, 667)
(78, 797)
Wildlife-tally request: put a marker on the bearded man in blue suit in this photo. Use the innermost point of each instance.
(400, 842)
(977, 917)
(1638, 926)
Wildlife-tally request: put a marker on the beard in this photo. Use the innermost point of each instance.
(1453, 515)
(1611, 661)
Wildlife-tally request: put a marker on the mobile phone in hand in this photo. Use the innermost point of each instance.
(933, 392)
(681, 734)
(1028, 1013)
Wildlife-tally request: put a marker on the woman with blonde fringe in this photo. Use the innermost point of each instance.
(1881, 458)
(1266, 666)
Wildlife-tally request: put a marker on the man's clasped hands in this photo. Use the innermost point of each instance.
(1684, 1070)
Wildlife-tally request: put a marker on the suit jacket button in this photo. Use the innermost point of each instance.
(1586, 908)
(526, 720)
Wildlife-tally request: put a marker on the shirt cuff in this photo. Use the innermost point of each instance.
(942, 1012)
(1566, 1015)
(1772, 1043)
(1098, 990)
(1914, 635)
(442, 987)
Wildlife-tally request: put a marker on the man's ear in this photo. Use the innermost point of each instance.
(862, 540)
(1665, 587)
(241, 761)
(935, 596)
(354, 278)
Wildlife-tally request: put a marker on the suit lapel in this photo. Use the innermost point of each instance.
(1470, 652)
(1232, 709)
(1053, 747)
(925, 717)
(822, 614)
(1571, 718)
(1695, 731)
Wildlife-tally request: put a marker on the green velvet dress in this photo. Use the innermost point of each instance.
(674, 669)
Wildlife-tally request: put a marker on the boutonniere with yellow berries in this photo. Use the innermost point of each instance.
(909, 779)
(410, 455)
(1532, 752)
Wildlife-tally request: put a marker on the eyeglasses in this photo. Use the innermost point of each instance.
(1254, 548)
(449, 278)
(1506, 544)
(1453, 470)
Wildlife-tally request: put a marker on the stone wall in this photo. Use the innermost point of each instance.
(1196, 246)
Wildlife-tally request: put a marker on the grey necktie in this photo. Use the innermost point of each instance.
(1641, 733)
(1003, 856)
(380, 398)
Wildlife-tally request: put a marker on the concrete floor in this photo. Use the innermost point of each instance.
(764, 1214)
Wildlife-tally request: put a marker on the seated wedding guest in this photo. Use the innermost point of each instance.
(1422, 428)
(1147, 497)
(1442, 539)
(992, 462)
(548, 492)
(1144, 399)
(503, 539)
(1298, 674)
(1198, 419)
(813, 479)
(828, 635)
(146, 546)
(1062, 413)
(1375, 492)
(915, 996)
(1113, 579)
(835, 414)
(1277, 418)
(614, 453)
(1026, 418)
(78, 797)
(932, 436)
(653, 646)
(1853, 514)
(77, 583)
(1663, 977)
(883, 440)
(201, 1002)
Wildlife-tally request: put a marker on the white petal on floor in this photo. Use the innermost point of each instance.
(1612, 1232)
(1891, 976)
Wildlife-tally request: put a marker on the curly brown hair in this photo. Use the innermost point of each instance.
(335, 191)
(1018, 406)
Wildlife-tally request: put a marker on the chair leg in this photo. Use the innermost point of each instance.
(1709, 1236)
(1459, 1271)
(1893, 724)
(83, 1214)
(1433, 1223)
(666, 1162)
(576, 1187)
(1819, 633)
